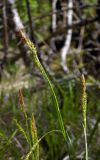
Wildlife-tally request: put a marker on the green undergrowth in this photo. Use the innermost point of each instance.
(41, 103)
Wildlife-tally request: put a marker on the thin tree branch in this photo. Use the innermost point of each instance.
(5, 31)
(44, 15)
(66, 47)
(54, 17)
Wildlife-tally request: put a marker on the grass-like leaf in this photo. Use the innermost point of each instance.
(22, 131)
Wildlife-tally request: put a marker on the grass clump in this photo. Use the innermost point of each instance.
(60, 120)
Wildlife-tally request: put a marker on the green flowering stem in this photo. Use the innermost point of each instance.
(38, 64)
(84, 107)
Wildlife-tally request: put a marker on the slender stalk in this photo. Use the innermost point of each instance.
(84, 108)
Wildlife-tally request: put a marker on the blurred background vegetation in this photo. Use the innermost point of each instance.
(17, 71)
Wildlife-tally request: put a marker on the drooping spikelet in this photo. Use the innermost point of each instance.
(22, 103)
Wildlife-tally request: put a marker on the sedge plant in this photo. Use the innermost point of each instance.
(37, 62)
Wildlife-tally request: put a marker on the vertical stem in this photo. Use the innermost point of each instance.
(84, 109)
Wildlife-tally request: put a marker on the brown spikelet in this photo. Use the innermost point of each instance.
(21, 35)
(84, 99)
(83, 84)
(22, 103)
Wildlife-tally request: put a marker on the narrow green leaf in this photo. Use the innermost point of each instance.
(22, 131)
